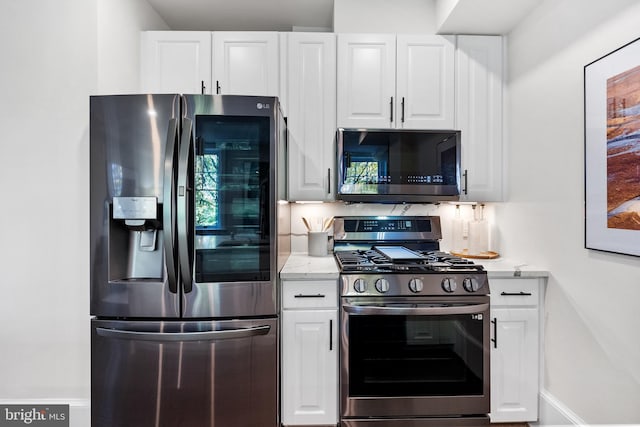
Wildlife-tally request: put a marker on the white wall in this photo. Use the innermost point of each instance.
(119, 26)
(383, 16)
(443, 9)
(49, 68)
(592, 317)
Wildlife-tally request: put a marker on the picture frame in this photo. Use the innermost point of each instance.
(612, 151)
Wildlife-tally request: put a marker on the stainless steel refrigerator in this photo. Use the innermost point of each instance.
(187, 238)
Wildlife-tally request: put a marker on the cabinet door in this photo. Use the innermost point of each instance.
(309, 367)
(312, 116)
(175, 62)
(246, 63)
(479, 115)
(366, 80)
(425, 78)
(514, 365)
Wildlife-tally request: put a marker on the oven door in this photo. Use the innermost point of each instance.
(410, 357)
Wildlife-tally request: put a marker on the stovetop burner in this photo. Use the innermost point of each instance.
(373, 260)
(391, 257)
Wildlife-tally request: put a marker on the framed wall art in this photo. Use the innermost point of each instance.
(612, 151)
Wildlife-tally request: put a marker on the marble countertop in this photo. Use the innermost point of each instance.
(505, 267)
(303, 266)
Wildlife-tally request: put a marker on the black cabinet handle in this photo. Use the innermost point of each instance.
(217, 87)
(465, 175)
(391, 104)
(309, 296)
(202, 86)
(516, 294)
(402, 117)
(494, 340)
(330, 334)
(329, 180)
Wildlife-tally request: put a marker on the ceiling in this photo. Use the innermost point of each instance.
(464, 16)
(245, 15)
(486, 16)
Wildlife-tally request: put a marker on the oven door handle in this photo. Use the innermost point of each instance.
(412, 310)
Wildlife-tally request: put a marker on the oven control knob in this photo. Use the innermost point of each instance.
(382, 285)
(416, 285)
(471, 284)
(449, 284)
(360, 285)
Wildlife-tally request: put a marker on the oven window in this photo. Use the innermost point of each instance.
(415, 355)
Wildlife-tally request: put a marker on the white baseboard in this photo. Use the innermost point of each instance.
(79, 409)
(555, 413)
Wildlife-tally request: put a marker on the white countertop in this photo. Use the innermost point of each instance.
(303, 266)
(504, 267)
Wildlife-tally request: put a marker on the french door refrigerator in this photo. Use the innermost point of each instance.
(187, 238)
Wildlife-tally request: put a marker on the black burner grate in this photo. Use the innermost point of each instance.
(374, 261)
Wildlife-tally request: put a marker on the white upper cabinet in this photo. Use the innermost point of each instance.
(479, 107)
(246, 63)
(175, 62)
(386, 81)
(224, 62)
(366, 80)
(311, 100)
(425, 80)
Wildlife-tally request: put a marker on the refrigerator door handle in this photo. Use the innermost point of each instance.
(185, 163)
(168, 208)
(184, 336)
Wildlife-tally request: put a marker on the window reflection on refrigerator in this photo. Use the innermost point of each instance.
(231, 198)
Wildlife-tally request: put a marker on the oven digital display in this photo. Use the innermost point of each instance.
(387, 225)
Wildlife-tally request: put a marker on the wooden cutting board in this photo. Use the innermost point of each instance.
(481, 255)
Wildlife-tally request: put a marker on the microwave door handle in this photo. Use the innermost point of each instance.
(183, 336)
(168, 206)
(414, 310)
(184, 197)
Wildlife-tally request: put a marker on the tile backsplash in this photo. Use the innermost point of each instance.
(316, 212)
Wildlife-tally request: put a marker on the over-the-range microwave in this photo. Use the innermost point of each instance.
(398, 166)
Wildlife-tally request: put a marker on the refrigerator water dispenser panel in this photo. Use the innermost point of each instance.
(135, 239)
(135, 210)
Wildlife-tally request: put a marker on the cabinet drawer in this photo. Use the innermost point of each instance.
(514, 292)
(309, 294)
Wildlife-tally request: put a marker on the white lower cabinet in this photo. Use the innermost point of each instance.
(515, 349)
(309, 352)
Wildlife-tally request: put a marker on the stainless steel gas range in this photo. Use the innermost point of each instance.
(415, 338)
